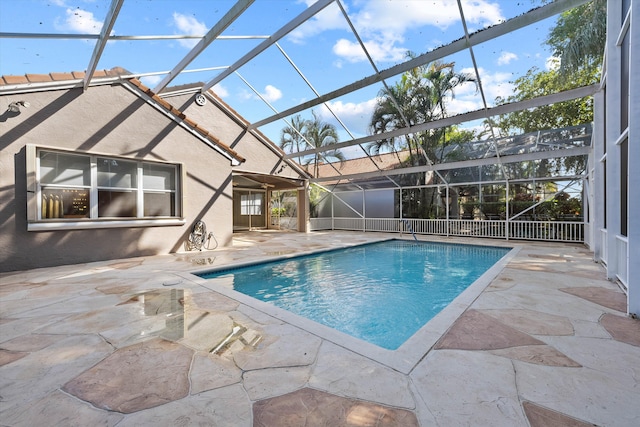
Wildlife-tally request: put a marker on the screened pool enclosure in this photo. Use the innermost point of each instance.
(529, 186)
(413, 117)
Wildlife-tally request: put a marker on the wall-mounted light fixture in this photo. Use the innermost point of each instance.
(14, 107)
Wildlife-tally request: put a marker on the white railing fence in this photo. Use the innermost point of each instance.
(284, 223)
(554, 231)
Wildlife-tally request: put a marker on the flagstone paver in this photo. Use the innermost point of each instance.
(226, 406)
(144, 342)
(265, 383)
(623, 329)
(135, 378)
(7, 356)
(469, 388)
(60, 409)
(344, 373)
(477, 331)
(210, 372)
(533, 322)
(543, 417)
(283, 345)
(308, 407)
(42, 372)
(589, 393)
(538, 354)
(605, 297)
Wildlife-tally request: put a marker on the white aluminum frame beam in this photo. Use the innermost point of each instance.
(580, 92)
(480, 87)
(286, 29)
(578, 151)
(233, 14)
(109, 22)
(490, 33)
(119, 38)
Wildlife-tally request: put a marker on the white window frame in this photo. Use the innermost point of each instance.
(35, 222)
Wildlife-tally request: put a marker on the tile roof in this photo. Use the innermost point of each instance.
(126, 75)
(57, 77)
(385, 161)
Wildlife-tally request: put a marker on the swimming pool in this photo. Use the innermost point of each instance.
(379, 292)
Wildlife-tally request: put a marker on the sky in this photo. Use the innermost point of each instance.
(326, 54)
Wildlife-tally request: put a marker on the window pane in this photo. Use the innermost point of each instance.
(624, 82)
(244, 204)
(64, 169)
(158, 177)
(251, 204)
(257, 205)
(116, 203)
(64, 203)
(116, 173)
(159, 204)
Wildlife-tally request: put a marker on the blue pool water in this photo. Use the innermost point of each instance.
(380, 292)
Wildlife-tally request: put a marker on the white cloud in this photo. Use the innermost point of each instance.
(271, 93)
(246, 95)
(506, 57)
(383, 50)
(400, 15)
(151, 81)
(355, 116)
(190, 26)
(80, 21)
(220, 90)
(383, 24)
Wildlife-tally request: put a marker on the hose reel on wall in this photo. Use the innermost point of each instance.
(199, 239)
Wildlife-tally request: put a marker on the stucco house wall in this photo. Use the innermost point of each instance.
(111, 120)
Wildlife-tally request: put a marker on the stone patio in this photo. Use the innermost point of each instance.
(145, 342)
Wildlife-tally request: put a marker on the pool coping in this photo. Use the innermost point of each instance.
(410, 353)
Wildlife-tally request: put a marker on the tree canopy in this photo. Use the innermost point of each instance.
(579, 36)
(562, 114)
(577, 42)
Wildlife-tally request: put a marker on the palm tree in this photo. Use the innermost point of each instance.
(443, 80)
(419, 96)
(291, 137)
(321, 134)
(393, 110)
(313, 133)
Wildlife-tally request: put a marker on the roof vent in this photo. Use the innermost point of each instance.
(200, 99)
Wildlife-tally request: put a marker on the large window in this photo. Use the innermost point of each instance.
(74, 186)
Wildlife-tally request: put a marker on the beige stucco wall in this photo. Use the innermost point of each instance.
(111, 120)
